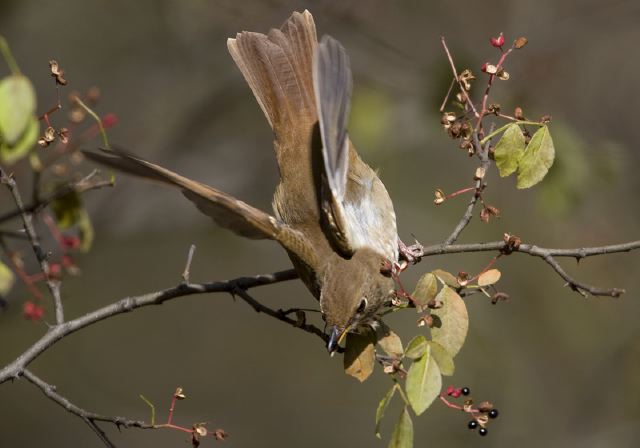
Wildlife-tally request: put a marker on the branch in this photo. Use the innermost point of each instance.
(88, 417)
(547, 254)
(58, 332)
(41, 256)
(85, 184)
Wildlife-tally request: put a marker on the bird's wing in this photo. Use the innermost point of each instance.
(332, 83)
(356, 210)
(227, 211)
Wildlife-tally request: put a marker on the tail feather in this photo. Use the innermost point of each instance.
(278, 68)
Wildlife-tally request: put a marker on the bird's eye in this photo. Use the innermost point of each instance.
(362, 306)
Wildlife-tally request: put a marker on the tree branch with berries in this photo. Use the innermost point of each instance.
(54, 226)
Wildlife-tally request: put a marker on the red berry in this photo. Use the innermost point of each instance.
(497, 42)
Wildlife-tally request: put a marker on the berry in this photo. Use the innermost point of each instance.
(483, 432)
(493, 413)
(466, 391)
(472, 424)
(497, 42)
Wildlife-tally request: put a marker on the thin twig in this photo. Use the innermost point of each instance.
(260, 308)
(89, 417)
(41, 256)
(455, 75)
(85, 184)
(548, 255)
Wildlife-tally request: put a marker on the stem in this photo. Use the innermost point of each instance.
(8, 57)
(103, 133)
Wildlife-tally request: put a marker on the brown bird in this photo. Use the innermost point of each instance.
(332, 213)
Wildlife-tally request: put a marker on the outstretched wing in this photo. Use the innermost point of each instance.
(227, 211)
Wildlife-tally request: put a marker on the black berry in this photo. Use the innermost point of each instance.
(466, 391)
(493, 413)
(473, 424)
(483, 432)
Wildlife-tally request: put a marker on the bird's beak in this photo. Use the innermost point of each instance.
(335, 338)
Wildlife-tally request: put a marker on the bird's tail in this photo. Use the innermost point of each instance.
(278, 67)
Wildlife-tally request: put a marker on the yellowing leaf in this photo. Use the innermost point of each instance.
(443, 358)
(402, 436)
(509, 150)
(426, 290)
(423, 382)
(489, 277)
(389, 341)
(382, 407)
(446, 278)
(17, 106)
(360, 355)
(416, 347)
(452, 323)
(7, 279)
(537, 159)
(10, 154)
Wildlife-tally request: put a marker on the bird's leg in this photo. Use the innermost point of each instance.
(411, 254)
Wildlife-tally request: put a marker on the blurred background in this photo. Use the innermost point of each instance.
(563, 370)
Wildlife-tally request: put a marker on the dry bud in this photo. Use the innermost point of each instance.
(518, 114)
(499, 297)
(493, 108)
(93, 95)
(439, 197)
(63, 133)
(465, 78)
(42, 142)
(520, 42)
(49, 134)
(179, 394)
(503, 75)
(485, 406)
(220, 434)
(489, 68)
(57, 73)
(546, 119)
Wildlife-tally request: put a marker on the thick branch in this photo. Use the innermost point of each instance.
(60, 331)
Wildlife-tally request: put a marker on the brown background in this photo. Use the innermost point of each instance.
(563, 370)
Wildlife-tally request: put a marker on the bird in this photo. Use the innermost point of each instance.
(331, 212)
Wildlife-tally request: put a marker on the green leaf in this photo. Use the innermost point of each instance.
(68, 210)
(17, 107)
(489, 277)
(389, 341)
(446, 278)
(443, 358)
(452, 324)
(423, 383)
(509, 150)
(360, 355)
(382, 407)
(86, 231)
(402, 436)
(10, 154)
(7, 278)
(426, 290)
(537, 159)
(416, 347)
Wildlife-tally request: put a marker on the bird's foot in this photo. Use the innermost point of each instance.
(411, 254)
